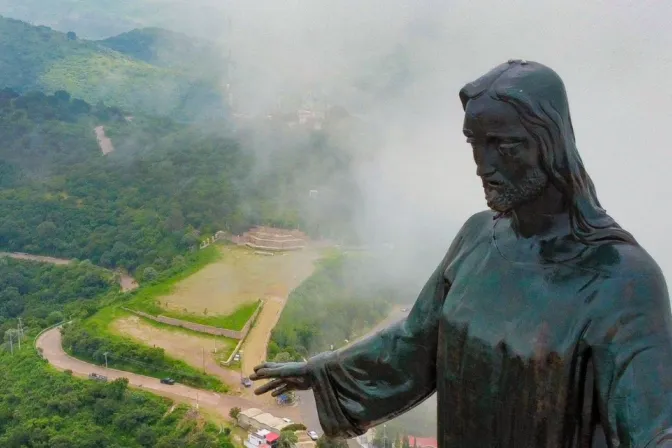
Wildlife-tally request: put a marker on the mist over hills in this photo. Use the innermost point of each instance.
(124, 71)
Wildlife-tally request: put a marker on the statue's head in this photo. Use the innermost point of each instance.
(518, 122)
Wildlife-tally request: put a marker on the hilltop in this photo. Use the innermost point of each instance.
(170, 49)
(39, 58)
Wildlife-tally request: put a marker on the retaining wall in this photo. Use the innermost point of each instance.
(200, 327)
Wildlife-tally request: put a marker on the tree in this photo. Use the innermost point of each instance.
(287, 439)
(283, 357)
(149, 274)
(405, 443)
(397, 441)
(234, 412)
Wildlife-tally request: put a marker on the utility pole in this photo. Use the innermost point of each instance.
(105, 355)
(20, 330)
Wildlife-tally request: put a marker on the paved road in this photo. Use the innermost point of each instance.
(52, 350)
(50, 343)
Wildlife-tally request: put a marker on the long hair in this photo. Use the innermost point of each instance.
(539, 96)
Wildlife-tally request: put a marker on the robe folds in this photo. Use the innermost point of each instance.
(567, 354)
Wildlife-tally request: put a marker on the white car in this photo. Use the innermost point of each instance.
(313, 435)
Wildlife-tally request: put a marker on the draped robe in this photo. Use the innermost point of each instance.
(521, 353)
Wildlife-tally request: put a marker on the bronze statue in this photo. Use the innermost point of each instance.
(545, 325)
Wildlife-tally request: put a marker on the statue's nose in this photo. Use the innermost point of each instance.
(484, 170)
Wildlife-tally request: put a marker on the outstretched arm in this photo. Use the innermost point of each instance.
(383, 375)
(632, 354)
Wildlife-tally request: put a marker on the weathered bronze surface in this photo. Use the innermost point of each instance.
(545, 325)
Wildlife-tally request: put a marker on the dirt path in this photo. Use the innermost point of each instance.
(256, 344)
(103, 141)
(50, 343)
(126, 282)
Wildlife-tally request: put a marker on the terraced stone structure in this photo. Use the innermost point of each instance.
(273, 239)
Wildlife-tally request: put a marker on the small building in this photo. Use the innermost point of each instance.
(262, 439)
(254, 419)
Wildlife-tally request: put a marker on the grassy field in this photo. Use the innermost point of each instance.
(190, 346)
(225, 291)
(126, 353)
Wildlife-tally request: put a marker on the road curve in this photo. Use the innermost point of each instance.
(50, 344)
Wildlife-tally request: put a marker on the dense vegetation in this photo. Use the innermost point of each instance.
(39, 58)
(42, 408)
(169, 49)
(145, 204)
(44, 294)
(338, 302)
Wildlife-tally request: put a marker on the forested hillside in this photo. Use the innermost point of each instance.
(44, 294)
(39, 58)
(42, 408)
(164, 185)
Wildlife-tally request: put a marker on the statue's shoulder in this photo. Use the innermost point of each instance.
(628, 265)
(633, 261)
(478, 224)
(475, 229)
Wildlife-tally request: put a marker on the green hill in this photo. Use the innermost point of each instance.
(146, 203)
(169, 49)
(39, 58)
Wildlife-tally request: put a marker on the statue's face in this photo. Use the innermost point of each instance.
(507, 156)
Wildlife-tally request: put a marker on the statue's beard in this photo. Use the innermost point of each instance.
(508, 196)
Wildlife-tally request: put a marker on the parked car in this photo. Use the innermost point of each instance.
(246, 382)
(168, 381)
(313, 435)
(96, 377)
(286, 420)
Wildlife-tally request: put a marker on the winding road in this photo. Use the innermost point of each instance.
(50, 345)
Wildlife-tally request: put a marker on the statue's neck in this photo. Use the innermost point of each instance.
(547, 214)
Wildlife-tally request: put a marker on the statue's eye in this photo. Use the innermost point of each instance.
(509, 149)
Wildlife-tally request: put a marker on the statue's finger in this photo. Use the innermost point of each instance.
(265, 365)
(269, 386)
(281, 390)
(265, 373)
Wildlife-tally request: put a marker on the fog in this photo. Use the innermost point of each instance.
(614, 57)
(398, 65)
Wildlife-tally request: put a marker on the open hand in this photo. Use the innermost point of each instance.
(284, 377)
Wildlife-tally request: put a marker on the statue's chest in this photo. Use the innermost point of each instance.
(530, 310)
